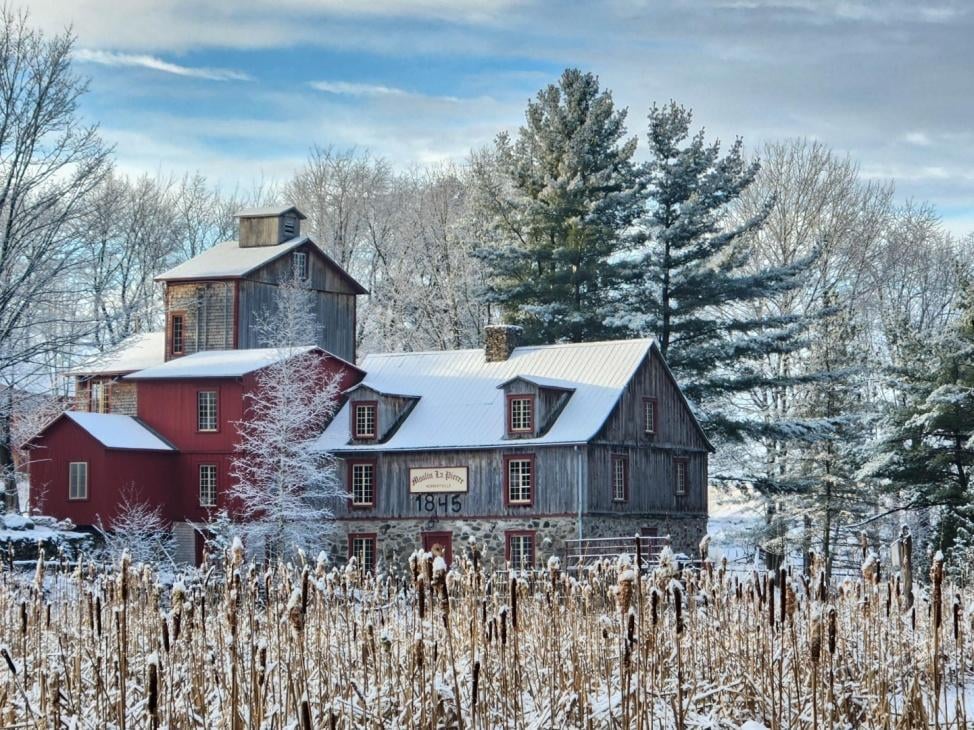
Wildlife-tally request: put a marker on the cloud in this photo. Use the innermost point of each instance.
(347, 88)
(110, 58)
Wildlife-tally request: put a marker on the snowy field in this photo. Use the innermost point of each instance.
(310, 646)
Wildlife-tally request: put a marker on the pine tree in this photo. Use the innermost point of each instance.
(560, 199)
(690, 285)
(284, 486)
(927, 455)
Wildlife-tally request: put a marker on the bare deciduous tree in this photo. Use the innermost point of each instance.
(50, 161)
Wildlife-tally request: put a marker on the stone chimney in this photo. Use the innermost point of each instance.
(268, 226)
(500, 341)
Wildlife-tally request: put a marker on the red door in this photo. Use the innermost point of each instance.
(433, 541)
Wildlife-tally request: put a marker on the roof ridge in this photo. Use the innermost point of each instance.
(647, 340)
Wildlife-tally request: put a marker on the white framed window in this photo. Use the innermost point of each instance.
(681, 477)
(206, 410)
(207, 485)
(520, 480)
(178, 336)
(520, 549)
(364, 420)
(649, 415)
(521, 414)
(99, 397)
(78, 480)
(363, 483)
(620, 478)
(300, 261)
(362, 547)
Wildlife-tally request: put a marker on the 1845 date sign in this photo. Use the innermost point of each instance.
(438, 488)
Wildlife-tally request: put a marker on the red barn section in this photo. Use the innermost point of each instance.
(113, 466)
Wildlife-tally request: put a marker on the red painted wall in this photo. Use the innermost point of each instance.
(169, 480)
(149, 474)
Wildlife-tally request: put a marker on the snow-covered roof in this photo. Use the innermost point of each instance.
(133, 353)
(119, 432)
(368, 384)
(228, 260)
(222, 363)
(269, 211)
(460, 405)
(541, 382)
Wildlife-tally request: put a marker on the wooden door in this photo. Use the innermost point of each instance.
(442, 540)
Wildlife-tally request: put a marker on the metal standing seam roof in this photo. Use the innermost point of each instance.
(115, 431)
(461, 406)
(220, 363)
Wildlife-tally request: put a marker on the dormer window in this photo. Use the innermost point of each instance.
(364, 419)
(300, 261)
(520, 414)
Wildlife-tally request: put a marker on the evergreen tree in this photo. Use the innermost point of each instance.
(690, 284)
(927, 456)
(560, 199)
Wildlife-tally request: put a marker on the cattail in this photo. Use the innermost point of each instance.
(513, 603)
(815, 648)
(476, 682)
(654, 606)
(937, 578)
(152, 695)
(791, 602)
(957, 610)
(624, 593)
(677, 605)
(305, 714)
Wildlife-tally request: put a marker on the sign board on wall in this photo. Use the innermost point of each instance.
(437, 479)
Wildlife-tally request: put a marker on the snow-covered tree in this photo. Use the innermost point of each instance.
(691, 285)
(561, 206)
(927, 455)
(138, 529)
(284, 489)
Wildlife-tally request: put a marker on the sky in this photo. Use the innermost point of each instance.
(241, 89)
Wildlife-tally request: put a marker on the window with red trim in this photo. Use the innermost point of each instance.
(519, 479)
(519, 548)
(649, 416)
(365, 419)
(363, 547)
(620, 478)
(361, 483)
(681, 478)
(520, 414)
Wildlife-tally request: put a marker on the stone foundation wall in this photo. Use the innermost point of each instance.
(396, 540)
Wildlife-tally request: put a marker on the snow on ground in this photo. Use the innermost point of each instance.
(732, 526)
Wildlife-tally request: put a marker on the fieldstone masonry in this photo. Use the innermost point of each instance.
(396, 540)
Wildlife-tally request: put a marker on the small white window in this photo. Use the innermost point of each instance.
(206, 416)
(520, 481)
(301, 265)
(681, 477)
(365, 417)
(78, 480)
(362, 548)
(649, 415)
(520, 550)
(619, 467)
(522, 414)
(207, 485)
(363, 484)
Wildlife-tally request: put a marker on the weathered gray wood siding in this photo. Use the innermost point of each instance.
(652, 471)
(334, 303)
(208, 314)
(265, 231)
(556, 470)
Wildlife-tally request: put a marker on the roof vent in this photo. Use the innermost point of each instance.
(500, 341)
(268, 226)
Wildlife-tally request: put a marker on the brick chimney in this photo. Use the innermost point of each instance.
(268, 226)
(500, 341)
